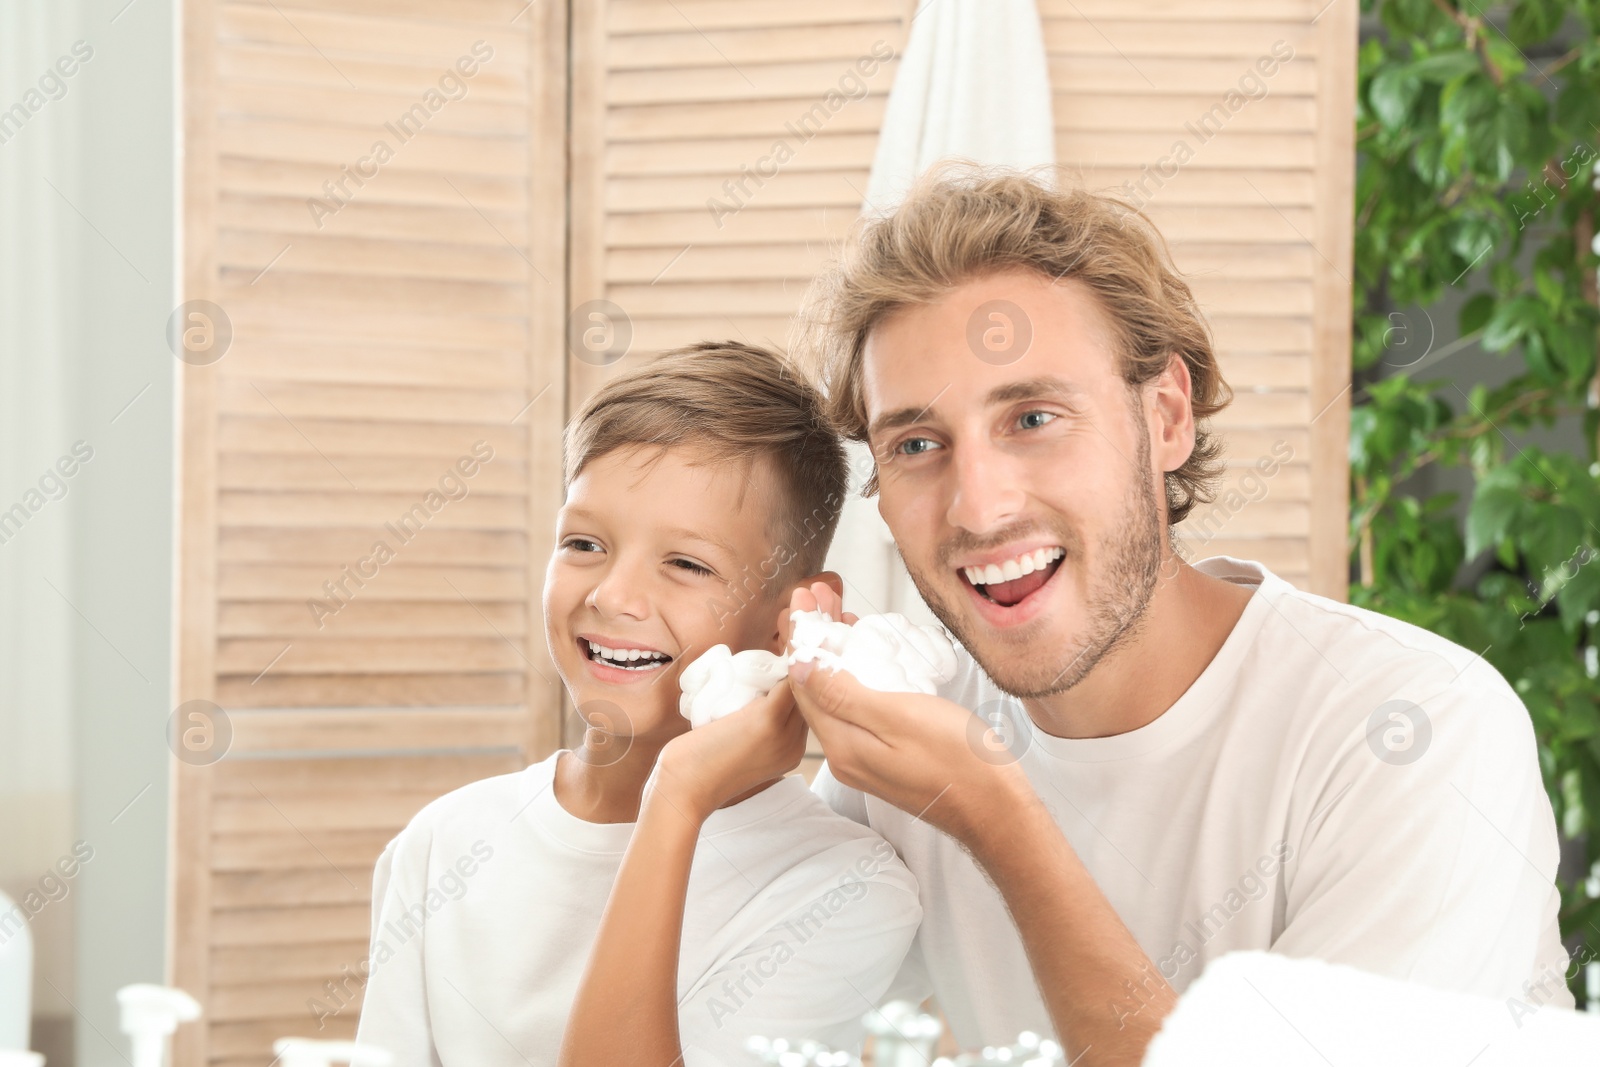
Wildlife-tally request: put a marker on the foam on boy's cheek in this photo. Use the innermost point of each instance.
(720, 682)
(888, 652)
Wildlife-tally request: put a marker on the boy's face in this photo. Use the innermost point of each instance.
(657, 556)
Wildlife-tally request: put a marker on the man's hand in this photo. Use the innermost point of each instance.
(923, 754)
(702, 770)
(937, 760)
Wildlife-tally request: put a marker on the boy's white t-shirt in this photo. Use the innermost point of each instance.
(486, 906)
(1336, 784)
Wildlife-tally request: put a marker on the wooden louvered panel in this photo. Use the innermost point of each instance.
(1258, 217)
(292, 847)
(672, 100)
(374, 347)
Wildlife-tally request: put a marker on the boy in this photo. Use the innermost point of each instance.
(700, 492)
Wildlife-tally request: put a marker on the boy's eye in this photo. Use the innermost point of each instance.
(692, 567)
(1032, 420)
(915, 446)
(581, 544)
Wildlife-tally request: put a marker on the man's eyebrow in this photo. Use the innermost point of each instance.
(1047, 385)
(893, 420)
(1033, 388)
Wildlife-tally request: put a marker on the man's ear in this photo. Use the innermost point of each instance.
(1171, 395)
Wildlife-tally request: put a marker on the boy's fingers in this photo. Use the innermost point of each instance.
(827, 601)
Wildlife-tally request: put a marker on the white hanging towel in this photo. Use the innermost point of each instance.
(1259, 1009)
(973, 84)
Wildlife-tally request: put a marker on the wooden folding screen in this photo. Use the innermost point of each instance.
(374, 198)
(1231, 124)
(690, 217)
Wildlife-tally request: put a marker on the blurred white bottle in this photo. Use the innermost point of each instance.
(150, 1014)
(16, 976)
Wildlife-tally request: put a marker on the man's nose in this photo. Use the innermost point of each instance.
(986, 493)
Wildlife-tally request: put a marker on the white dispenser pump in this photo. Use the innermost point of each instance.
(303, 1052)
(150, 1014)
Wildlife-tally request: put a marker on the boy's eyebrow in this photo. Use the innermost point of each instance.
(695, 535)
(1045, 385)
(682, 532)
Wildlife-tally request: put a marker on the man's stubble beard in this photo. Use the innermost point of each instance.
(1116, 602)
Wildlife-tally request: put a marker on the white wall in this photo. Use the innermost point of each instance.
(36, 760)
(86, 268)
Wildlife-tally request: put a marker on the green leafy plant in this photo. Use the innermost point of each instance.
(1475, 161)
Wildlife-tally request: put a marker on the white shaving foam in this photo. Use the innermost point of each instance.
(887, 652)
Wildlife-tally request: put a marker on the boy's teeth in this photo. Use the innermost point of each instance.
(1012, 569)
(628, 655)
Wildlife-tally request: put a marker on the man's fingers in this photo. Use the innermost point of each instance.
(824, 694)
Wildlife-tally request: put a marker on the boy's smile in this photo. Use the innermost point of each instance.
(650, 546)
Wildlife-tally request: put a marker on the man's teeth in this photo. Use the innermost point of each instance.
(1013, 569)
(625, 657)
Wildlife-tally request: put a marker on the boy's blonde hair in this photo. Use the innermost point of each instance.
(741, 403)
(962, 222)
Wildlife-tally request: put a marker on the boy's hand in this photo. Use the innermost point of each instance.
(820, 597)
(699, 771)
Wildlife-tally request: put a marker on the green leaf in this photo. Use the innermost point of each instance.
(1490, 517)
(1446, 66)
(1475, 312)
(1580, 594)
(1466, 102)
(1392, 95)
(1509, 323)
(1534, 20)
(1505, 56)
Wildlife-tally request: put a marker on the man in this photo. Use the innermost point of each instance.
(1168, 761)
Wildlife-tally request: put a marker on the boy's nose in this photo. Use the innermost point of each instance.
(620, 592)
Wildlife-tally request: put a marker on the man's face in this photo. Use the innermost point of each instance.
(1043, 464)
(657, 558)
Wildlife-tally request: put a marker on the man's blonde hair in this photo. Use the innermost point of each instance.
(963, 222)
(740, 403)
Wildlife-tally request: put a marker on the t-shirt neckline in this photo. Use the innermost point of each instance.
(1191, 710)
(547, 814)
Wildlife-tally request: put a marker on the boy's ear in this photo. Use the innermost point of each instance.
(831, 579)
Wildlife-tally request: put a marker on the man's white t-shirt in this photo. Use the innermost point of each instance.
(486, 906)
(1335, 784)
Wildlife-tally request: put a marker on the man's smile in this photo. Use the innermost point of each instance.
(1011, 589)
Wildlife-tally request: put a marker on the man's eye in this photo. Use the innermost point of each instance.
(915, 446)
(1032, 420)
